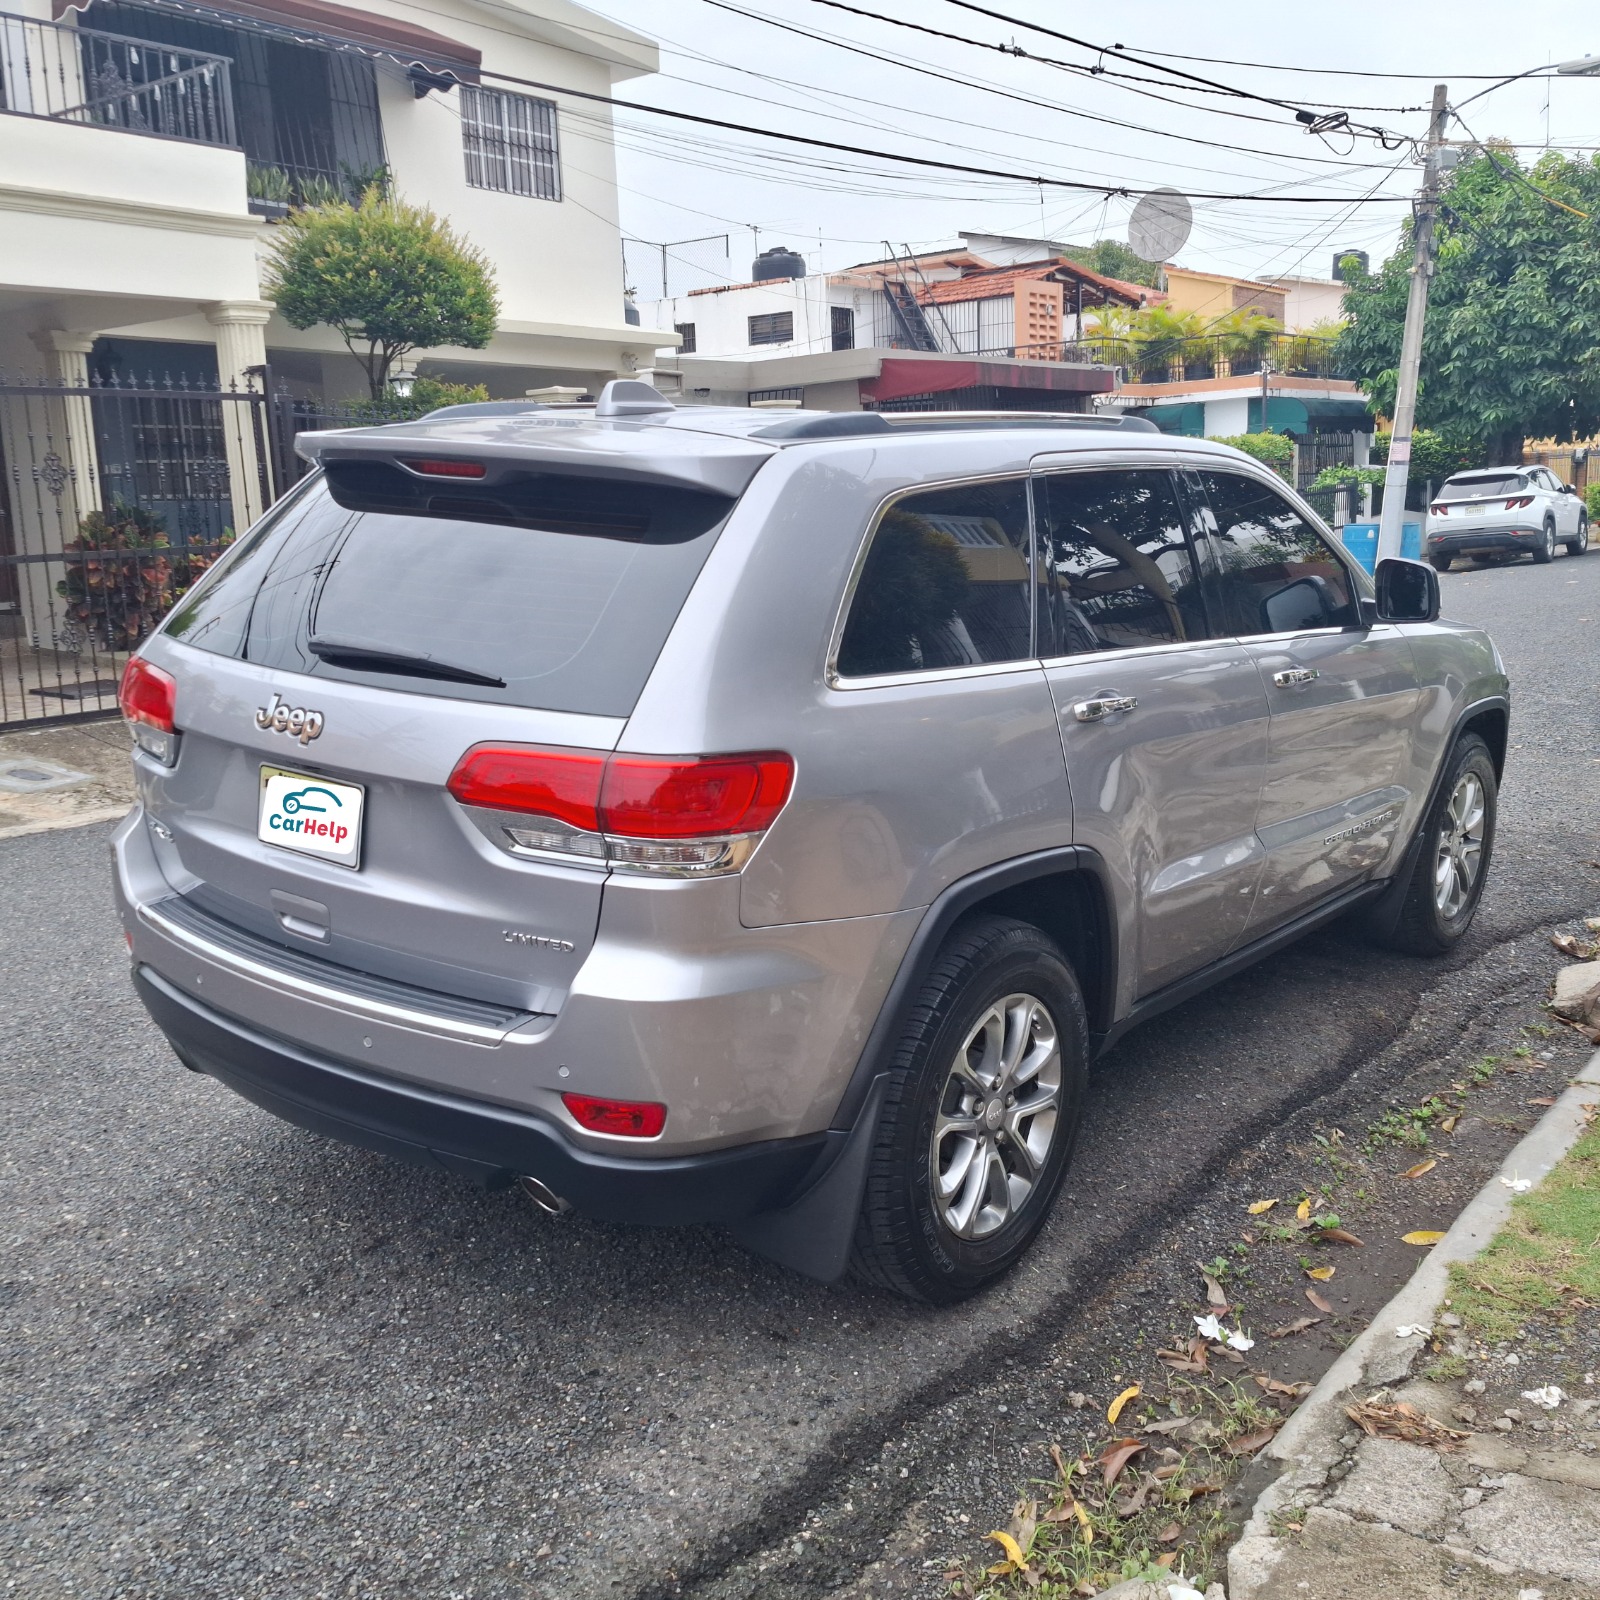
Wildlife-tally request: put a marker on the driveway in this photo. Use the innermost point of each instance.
(242, 1361)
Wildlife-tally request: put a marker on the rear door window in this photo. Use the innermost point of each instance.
(1119, 569)
(558, 593)
(946, 583)
(1493, 483)
(1277, 572)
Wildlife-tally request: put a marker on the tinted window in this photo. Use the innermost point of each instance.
(1278, 574)
(563, 592)
(1489, 483)
(945, 583)
(1118, 565)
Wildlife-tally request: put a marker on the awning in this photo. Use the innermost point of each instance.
(319, 22)
(897, 379)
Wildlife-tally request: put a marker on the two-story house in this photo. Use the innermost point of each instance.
(147, 148)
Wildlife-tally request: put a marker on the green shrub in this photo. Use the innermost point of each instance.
(1591, 500)
(1275, 449)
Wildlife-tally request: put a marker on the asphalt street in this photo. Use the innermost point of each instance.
(241, 1362)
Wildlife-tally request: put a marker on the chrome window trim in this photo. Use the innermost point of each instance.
(326, 994)
(834, 679)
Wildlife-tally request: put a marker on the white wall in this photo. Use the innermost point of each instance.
(1226, 419)
(1308, 301)
(96, 211)
(554, 260)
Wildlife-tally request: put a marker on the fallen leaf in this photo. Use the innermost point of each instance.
(1257, 1207)
(1448, 1125)
(1419, 1169)
(1303, 1210)
(1170, 1426)
(1543, 1100)
(1131, 1504)
(1321, 1274)
(1061, 1465)
(1324, 1306)
(1214, 1295)
(1116, 1456)
(1247, 1236)
(1299, 1325)
(1173, 1530)
(1171, 1470)
(1083, 1522)
(1114, 1410)
(1422, 1236)
(1403, 1421)
(1339, 1236)
(1250, 1442)
(1576, 948)
(1166, 1558)
(1290, 1391)
(1015, 1560)
(1196, 1490)
(1180, 1361)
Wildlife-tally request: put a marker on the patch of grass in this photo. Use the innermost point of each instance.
(1447, 1369)
(1277, 1233)
(1408, 1126)
(1548, 1252)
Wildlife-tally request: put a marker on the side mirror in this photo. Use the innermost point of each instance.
(1408, 591)
(1567, 488)
(1305, 603)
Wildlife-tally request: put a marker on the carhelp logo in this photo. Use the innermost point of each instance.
(315, 816)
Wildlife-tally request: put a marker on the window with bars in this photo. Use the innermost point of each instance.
(511, 142)
(775, 327)
(685, 331)
(842, 325)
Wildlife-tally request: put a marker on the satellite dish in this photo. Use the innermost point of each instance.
(1160, 224)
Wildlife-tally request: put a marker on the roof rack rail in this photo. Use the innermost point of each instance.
(860, 424)
(485, 408)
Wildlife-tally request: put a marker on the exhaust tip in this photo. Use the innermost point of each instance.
(543, 1196)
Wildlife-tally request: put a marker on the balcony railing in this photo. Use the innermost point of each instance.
(69, 74)
(1179, 360)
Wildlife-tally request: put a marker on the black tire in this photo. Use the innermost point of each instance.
(1545, 551)
(904, 1241)
(1440, 563)
(1579, 544)
(1425, 927)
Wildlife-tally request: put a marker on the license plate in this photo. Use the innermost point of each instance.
(315, 816)
(1475, 511)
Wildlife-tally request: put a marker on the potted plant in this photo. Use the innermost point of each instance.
(268, 191)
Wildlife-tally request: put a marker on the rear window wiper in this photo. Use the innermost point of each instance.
(362, 655)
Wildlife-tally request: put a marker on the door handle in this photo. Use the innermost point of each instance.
(1107, 706)
(1293, 677)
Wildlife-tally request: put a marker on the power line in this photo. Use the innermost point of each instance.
(905, 160)
(1023, 99)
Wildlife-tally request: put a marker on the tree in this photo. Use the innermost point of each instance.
(1111, 258)
(1511, 347)
(387, 276)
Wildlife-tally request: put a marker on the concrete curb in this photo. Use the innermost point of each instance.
(1308, 1444)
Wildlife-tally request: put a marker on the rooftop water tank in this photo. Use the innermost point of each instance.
(778, 262)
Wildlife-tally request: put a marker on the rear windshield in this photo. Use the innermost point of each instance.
(1491, 483)
(558, 594)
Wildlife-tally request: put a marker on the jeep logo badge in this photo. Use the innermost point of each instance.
(279, 718)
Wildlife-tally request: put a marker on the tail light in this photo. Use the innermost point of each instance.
(431, 468)
(633, 1119)
(1439, 510)
(1519, 502)
(149, 700)
(667, 815)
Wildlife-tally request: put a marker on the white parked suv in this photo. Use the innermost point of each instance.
(1502, 511)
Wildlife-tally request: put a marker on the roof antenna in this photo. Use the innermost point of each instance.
(631, 397)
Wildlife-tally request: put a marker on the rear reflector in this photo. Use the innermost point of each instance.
(684, 815)
(633, 1119)
(444, 468)
(149, 700)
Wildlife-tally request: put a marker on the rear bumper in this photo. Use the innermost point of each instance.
(1446, 542)
(488, 1143)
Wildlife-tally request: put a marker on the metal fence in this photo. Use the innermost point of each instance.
(114, 498)
(79, 75)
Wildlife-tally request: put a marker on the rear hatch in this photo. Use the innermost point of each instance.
(433, 589)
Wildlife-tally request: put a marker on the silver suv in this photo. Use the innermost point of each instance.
(702, 817)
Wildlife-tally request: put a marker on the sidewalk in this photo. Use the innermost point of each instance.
(64, 777)
(1475, 1471)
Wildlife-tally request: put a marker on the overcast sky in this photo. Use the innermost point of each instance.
(678, 181)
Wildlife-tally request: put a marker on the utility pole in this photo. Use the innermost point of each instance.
(1405, 399)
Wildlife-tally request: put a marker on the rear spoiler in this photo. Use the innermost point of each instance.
(554, 442)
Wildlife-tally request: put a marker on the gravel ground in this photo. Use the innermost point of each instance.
(246, 1362)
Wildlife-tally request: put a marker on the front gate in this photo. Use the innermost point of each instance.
(114, 498)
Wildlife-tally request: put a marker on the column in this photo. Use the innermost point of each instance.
(241, 344)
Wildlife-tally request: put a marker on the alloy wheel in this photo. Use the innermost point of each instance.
(1459, 856)
(997, 1117)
